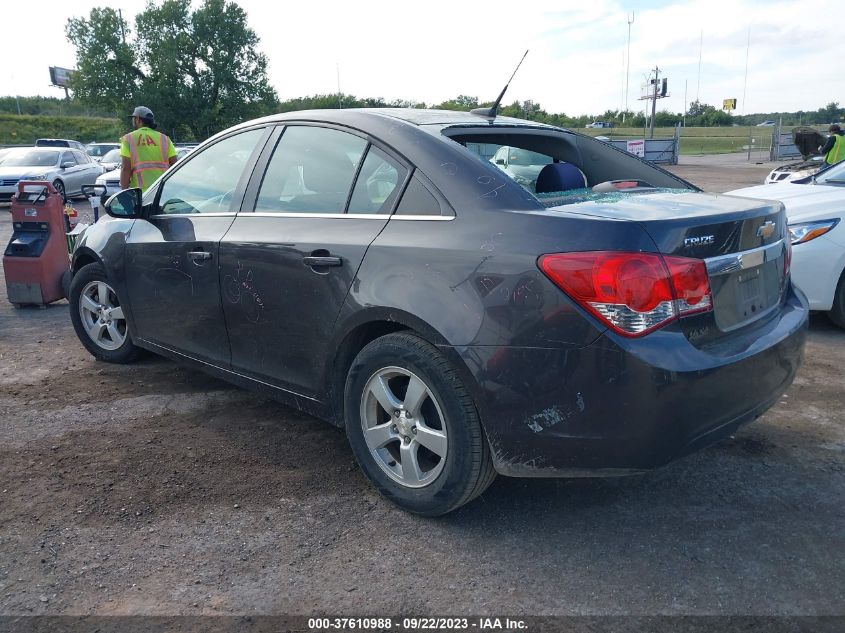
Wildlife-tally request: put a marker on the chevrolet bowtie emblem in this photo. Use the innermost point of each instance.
(766, 229)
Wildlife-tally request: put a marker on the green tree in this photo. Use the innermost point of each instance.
(199, 68)
(107, 75)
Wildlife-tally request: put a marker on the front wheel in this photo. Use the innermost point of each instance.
(98, 317)
(837, 312)
(59, 186)
(413, 427)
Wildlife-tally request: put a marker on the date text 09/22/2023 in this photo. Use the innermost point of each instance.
(416, 624)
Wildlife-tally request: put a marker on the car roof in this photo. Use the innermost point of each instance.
(413, 116)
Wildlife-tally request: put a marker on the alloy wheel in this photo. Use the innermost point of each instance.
(102, 317)
(404, 427)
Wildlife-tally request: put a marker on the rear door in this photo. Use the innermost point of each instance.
(172, 258)
(287, 265)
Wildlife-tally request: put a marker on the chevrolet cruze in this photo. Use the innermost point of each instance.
(375, 269)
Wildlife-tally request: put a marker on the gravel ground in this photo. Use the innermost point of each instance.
(154, 489)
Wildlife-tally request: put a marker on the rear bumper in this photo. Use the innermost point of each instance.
(621, 406)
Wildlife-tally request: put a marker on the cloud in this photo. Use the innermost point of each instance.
(436, 50)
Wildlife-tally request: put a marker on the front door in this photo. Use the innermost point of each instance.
(172, 258)
(287, 267)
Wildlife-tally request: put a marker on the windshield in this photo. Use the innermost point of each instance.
(32, 159)
(112, 156)
(100, 150)
(835, 174)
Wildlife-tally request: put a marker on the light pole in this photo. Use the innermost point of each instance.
(628, 69)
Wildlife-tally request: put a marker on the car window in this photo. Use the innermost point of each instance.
(207, 182)
(834, 175)
(311, 171)
(377, 184)
(67, 157)
(418, 200)
(31, 159)
(112, 156)
(81, 158)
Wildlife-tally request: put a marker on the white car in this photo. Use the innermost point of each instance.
(520, 164)
(795, 171)
(815, 208)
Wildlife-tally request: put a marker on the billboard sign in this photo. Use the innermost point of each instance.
(60, 76)
(729, 104)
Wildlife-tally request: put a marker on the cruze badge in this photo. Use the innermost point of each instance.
(702, 240)
(766, 229)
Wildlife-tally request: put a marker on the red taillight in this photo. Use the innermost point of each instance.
(634, 293)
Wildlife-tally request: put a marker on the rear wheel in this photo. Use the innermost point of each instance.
(98, 317)
(837, 312)
(413, 427)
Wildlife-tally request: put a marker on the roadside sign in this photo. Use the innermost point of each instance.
(637, 148)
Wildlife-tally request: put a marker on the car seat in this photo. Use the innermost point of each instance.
(328, 175)
(560, 177)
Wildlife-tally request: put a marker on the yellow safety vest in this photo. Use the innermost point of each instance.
(837, 152)
(149, 152)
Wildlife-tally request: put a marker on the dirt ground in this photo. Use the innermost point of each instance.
(154, 489)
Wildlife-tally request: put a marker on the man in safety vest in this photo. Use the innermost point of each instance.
(145, 153)
(834, 148)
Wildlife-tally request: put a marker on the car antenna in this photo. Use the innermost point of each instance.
(490, 113)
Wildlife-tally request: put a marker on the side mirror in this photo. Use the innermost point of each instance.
(125, 204)
(90, 191)
(500, 161)
(67, 164)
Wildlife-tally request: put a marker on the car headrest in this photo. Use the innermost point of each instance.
(560, 177)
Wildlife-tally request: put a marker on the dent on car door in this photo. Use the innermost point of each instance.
(172, 264)
(287, 266)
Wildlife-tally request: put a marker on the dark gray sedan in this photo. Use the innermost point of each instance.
(367, 267)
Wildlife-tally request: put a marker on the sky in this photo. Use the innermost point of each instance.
(435, 50)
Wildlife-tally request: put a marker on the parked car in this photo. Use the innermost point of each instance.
(110, 160)
(59, 142)
(67, 169)
(521, 164)
(767, 124)
(98, 150)
(815, 207)
(364, 266)
(795, 171)
(601, 124)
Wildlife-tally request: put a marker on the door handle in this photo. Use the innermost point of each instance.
(196, 256)
(316, 261)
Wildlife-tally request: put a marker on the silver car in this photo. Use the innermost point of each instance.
(67, 169)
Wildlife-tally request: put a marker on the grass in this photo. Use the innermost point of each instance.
(700, 140)
(25, 129)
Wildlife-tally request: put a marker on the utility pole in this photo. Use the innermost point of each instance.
(628, 70)
(339, 97)
(698, 86)
(745, 82)
(654, 101)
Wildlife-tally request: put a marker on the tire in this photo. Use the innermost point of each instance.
(60, 187)
(837, 312)
(430, 476)
(98, 318)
